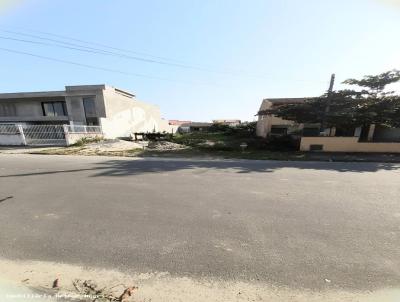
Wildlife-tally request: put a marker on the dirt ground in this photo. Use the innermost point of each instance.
(160, 286)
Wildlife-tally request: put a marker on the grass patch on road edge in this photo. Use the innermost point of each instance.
(184, 153)
(196, 153)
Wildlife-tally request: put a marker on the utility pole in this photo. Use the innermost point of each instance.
(328, 103)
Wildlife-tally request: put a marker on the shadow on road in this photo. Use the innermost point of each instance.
(125, 167)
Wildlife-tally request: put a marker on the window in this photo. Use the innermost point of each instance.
(89, 106)
(92, 121)
(278, 130)
(344, 131)
(311, 131)
(54, 109)
(316, 147)
(8, 110)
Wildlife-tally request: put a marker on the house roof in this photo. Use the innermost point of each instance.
(197, 124)
(269, 102)
(226, 121)
(61, 93)
(285, 100)
(178, 122)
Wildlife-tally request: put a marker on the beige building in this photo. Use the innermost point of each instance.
(118, 112)
(368, 139)
(227, 122)
(271, 125)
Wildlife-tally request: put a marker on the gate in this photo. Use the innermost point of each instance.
(42, 135)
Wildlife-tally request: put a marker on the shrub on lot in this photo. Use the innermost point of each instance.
(86, 140)
(282, 143)
(242, 130)
(231, 139)
(218, 146)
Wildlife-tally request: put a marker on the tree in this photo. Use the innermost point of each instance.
(376, 84)
(371, 104)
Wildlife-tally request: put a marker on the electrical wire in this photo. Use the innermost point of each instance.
(98, 67)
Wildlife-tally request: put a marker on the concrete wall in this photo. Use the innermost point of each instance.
(11, 140)
(74, 102)
(29, 108)
(126, 115)
(348, 144)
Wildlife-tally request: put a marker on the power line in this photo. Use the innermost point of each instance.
(106, 46)
(79, 47)
(96, 67)
(105, 52)
(49, 44)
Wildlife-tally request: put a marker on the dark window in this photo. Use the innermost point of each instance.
(316, 147)
(345, 131)
(311, 131)
(278, 130)
(92, 121)
(8, 110)
(54, 109)
(90, 107)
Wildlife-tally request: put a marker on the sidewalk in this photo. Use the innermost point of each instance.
(353, 157)
(11, 292)
(196, 154)
(21, 149)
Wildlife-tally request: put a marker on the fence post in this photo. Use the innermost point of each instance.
(66, 134)
(21, 134)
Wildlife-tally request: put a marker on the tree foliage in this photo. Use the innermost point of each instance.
(244, 129)
(371, 104)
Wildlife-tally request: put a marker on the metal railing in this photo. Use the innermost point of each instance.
(41, 135)
(44, 134)
(83, 129)
(9, 129)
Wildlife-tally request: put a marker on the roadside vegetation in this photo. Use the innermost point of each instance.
(87, 140)
(238, 140)
(369, 103)
(219, 142)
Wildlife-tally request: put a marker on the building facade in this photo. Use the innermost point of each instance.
(232, 123)
(268, 125)
(118, 112)
(370, 138)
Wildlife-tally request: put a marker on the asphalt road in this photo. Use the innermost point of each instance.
(286, 223)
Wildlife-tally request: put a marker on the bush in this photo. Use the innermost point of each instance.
(234, 136)
(282, 143)
(86, 140)
(246, 130)
(242, 130)
(218, 146)
(219, 128)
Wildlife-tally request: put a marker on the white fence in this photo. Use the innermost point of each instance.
(42, 135)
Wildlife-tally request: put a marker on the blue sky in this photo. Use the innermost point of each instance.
(238, 51)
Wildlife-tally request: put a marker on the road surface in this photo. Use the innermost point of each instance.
(294, 224)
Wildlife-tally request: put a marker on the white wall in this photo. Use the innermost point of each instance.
(125, 115)
(11, 140)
